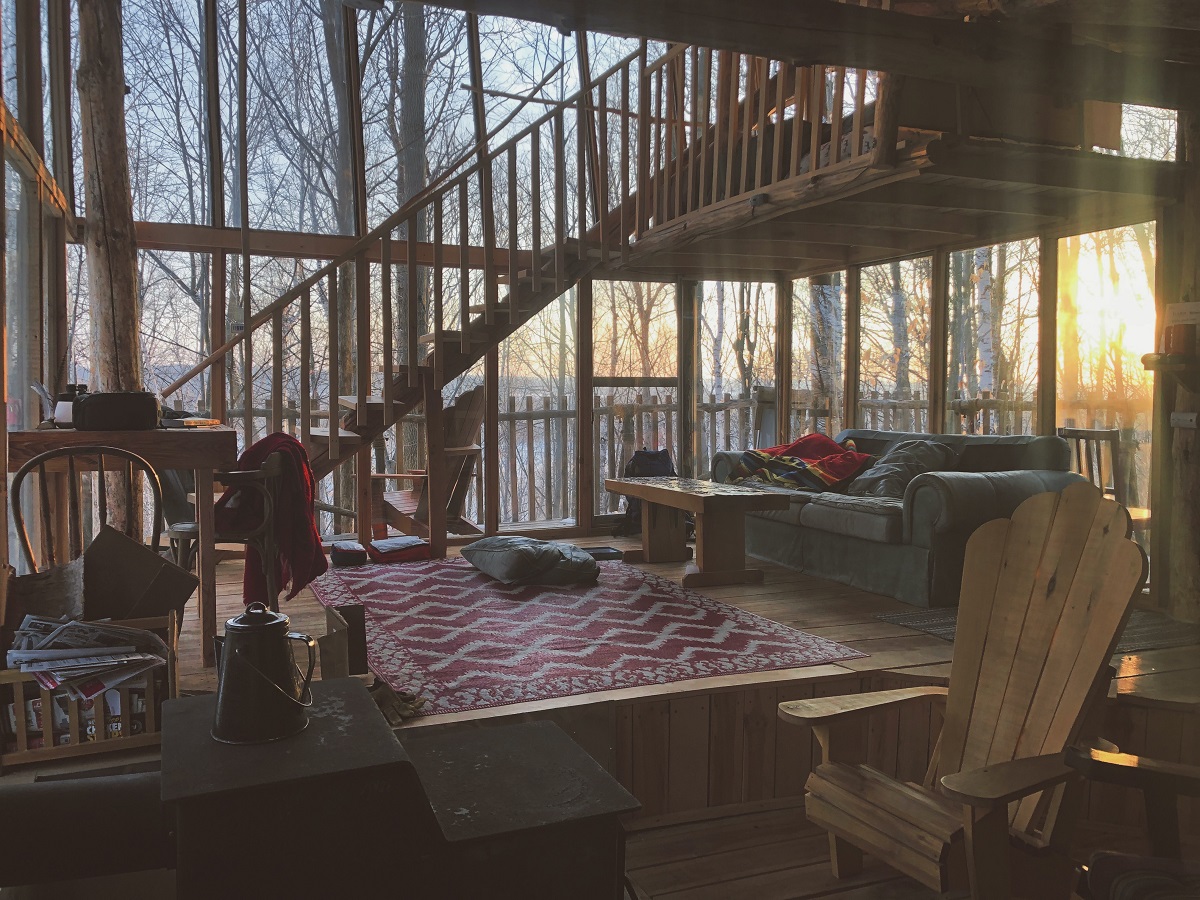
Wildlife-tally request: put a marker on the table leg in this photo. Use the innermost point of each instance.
(206, 565)
(664, 536)
(720, 552)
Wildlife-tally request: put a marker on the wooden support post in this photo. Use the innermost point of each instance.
(853, 306)
(783, 353)
(218, 296)
(491, 441)
(688, 336)
(938, 361)
(586, 422)
(435, 467)
(1183, 551)
(1047, 334)
(887, 120)
(1168, 234)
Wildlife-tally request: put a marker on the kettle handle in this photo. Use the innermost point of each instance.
(312, 661)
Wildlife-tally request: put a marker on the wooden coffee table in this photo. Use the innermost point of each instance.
(720, 511)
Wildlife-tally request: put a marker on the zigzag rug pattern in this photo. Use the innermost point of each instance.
(444, 630)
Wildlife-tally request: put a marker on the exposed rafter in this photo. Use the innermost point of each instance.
(979, 52)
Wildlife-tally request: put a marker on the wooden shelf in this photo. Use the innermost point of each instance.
(1185, 368)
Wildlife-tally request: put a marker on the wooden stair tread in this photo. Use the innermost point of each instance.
(321, 435)
(351, 402)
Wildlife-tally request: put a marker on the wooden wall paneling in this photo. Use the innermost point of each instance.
(793, 746)
(833, 688)
(624, 745)
(725, 736)
(760, 717)
(651, 754)
(1189, 754)
(687, 776)
(883, 737)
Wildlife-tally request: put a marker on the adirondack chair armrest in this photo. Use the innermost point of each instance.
(999, 784)
(829, 710)
(1140, 772)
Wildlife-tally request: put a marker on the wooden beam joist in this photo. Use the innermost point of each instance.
(1071, 169)
(206, 239)
(979, 53)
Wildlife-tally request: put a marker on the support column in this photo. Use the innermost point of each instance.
(1183, 508)
(853, 344)
(1166, 290)
(938, 365)
(491, 442)
(1047, 334)
(783, 360)
(687, 336)
(586, 421)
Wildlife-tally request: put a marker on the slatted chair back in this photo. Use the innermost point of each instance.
(1045, 595)
(74, 461)
(1096, 453)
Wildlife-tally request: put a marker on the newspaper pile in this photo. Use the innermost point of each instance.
(84, 659)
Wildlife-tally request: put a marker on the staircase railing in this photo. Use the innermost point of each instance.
(354, 327)
(721, 126)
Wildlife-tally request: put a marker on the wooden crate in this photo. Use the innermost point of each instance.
(18, 687)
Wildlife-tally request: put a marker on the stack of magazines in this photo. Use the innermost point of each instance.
(84, 659)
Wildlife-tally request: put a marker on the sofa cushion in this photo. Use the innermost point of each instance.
(977, 452)
(878, 519)
(791, 515)
(900, 465)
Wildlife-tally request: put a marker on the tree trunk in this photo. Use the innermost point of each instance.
(718, 337)
(982, 277)
(827, 335)
(1070, 385)
(110, 242)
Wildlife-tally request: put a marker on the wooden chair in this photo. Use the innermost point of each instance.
(409, 510)
(1044, 597)
(1098, 457)
(62, 529)
(267, 481)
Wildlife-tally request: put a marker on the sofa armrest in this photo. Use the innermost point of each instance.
(723, 463)
(940, 503)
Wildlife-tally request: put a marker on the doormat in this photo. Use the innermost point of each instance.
(447, 632)
(1147, 630)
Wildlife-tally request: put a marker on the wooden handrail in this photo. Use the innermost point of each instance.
(441, 186)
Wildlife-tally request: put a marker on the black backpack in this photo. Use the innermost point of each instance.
(643, 464)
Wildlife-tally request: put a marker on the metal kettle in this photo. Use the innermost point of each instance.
(261, 694)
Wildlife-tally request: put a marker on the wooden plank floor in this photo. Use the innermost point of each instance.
(769, 854)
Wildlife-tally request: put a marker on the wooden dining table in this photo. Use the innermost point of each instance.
(204, 451)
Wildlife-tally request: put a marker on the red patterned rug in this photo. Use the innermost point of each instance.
(444, 630)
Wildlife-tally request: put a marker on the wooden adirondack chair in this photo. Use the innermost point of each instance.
(1044, 598)
(409, 510)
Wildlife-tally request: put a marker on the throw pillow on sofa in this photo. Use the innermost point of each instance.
(900, 465)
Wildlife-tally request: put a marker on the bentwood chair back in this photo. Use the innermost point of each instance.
(74, 462)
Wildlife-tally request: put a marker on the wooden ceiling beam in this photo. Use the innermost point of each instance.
(782, 233)
(294, 245)
(1078, 170)
(981, 53)
(870, 213)
(950, 196)
(1182, 14)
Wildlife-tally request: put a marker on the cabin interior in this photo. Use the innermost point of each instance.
(470, 256)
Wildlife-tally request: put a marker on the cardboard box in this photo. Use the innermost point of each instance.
(123, 579)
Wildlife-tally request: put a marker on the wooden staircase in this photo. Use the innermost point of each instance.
(656, 162)
(444, 360)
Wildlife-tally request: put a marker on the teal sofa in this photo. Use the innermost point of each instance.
(911, 548)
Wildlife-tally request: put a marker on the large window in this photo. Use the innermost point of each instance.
(1106, 318)
(893, 378)
(992, 340)
(735, 386)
